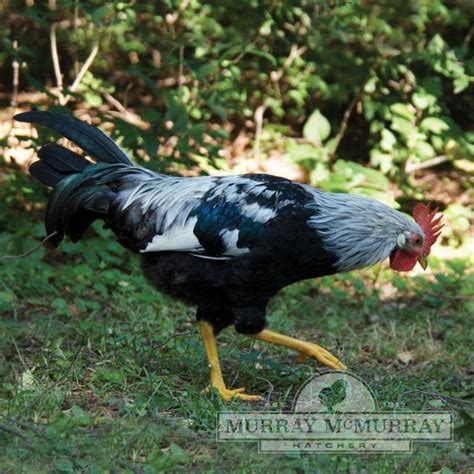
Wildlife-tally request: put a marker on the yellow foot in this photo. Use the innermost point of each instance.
(306, 349)
(309, 349)
(229, 393)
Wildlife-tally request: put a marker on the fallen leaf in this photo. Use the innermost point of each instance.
(406, 357)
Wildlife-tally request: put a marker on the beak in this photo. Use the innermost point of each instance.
(423, 261)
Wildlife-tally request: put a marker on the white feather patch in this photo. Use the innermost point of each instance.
(230, 238)
(258, 213)
(176, 239)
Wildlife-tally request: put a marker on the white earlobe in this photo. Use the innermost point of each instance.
(401, 240)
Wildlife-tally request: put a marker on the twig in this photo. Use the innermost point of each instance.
(343, 126)
(467, 38)
(434, 394)
(29, 252)
(123, 112)
(19, 355)
(295, 52)
(130, 117)
(85, 67)
(55, 57)
(19, 434)
(412, 167)
(16, 78)
(174, 336)
(113, 101)
(180, 70)
(258, 132)
(347, 115)
(272, 388)
(63, 100)
(38, 432)
(75, 20)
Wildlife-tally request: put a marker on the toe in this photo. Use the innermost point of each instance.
(326, 358)
(248, 398)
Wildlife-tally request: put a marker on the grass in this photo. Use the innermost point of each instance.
(98, 373)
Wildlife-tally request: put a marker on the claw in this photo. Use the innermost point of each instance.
(322, 355)
(229, 393)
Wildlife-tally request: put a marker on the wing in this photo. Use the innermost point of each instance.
(209, 217)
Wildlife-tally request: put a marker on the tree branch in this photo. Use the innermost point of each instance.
(412, 167)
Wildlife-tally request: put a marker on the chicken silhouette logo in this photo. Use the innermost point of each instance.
(335, 392)
(333, 395)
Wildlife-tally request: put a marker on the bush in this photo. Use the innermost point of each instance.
(383, 84)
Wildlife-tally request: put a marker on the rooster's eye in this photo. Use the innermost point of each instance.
(416, 240)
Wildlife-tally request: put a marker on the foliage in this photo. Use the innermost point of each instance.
(400, 70)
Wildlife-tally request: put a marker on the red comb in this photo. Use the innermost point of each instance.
(430, 226)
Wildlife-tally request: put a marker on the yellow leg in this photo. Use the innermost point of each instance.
(303, 347)
(217, 381)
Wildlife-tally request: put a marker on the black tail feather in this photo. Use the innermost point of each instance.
(90, 139)
(83, 190)
(62, 159)
(56, 163)
(45, 174)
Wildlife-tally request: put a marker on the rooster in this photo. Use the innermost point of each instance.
(224, 244)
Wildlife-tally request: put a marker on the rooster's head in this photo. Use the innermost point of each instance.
(413, 247)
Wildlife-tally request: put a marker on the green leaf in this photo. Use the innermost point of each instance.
(383, 160)
(299, 152)
(422, 101)
(150, 143)
(403, 111)
(424, 150)
(93, 99)
(437, 403)
(266, 27)
(262, 54)
(388, 140)
(403, 126)
(460, 84)
(317, 128)
(434, 125)
(371, 85)
(64, 465)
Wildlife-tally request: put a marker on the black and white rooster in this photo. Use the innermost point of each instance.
(226, 244)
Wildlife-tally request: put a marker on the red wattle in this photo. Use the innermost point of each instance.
(402, 261)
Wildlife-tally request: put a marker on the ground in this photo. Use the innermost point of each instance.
(100, 373)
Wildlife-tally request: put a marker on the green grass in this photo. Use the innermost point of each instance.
(100, 373)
